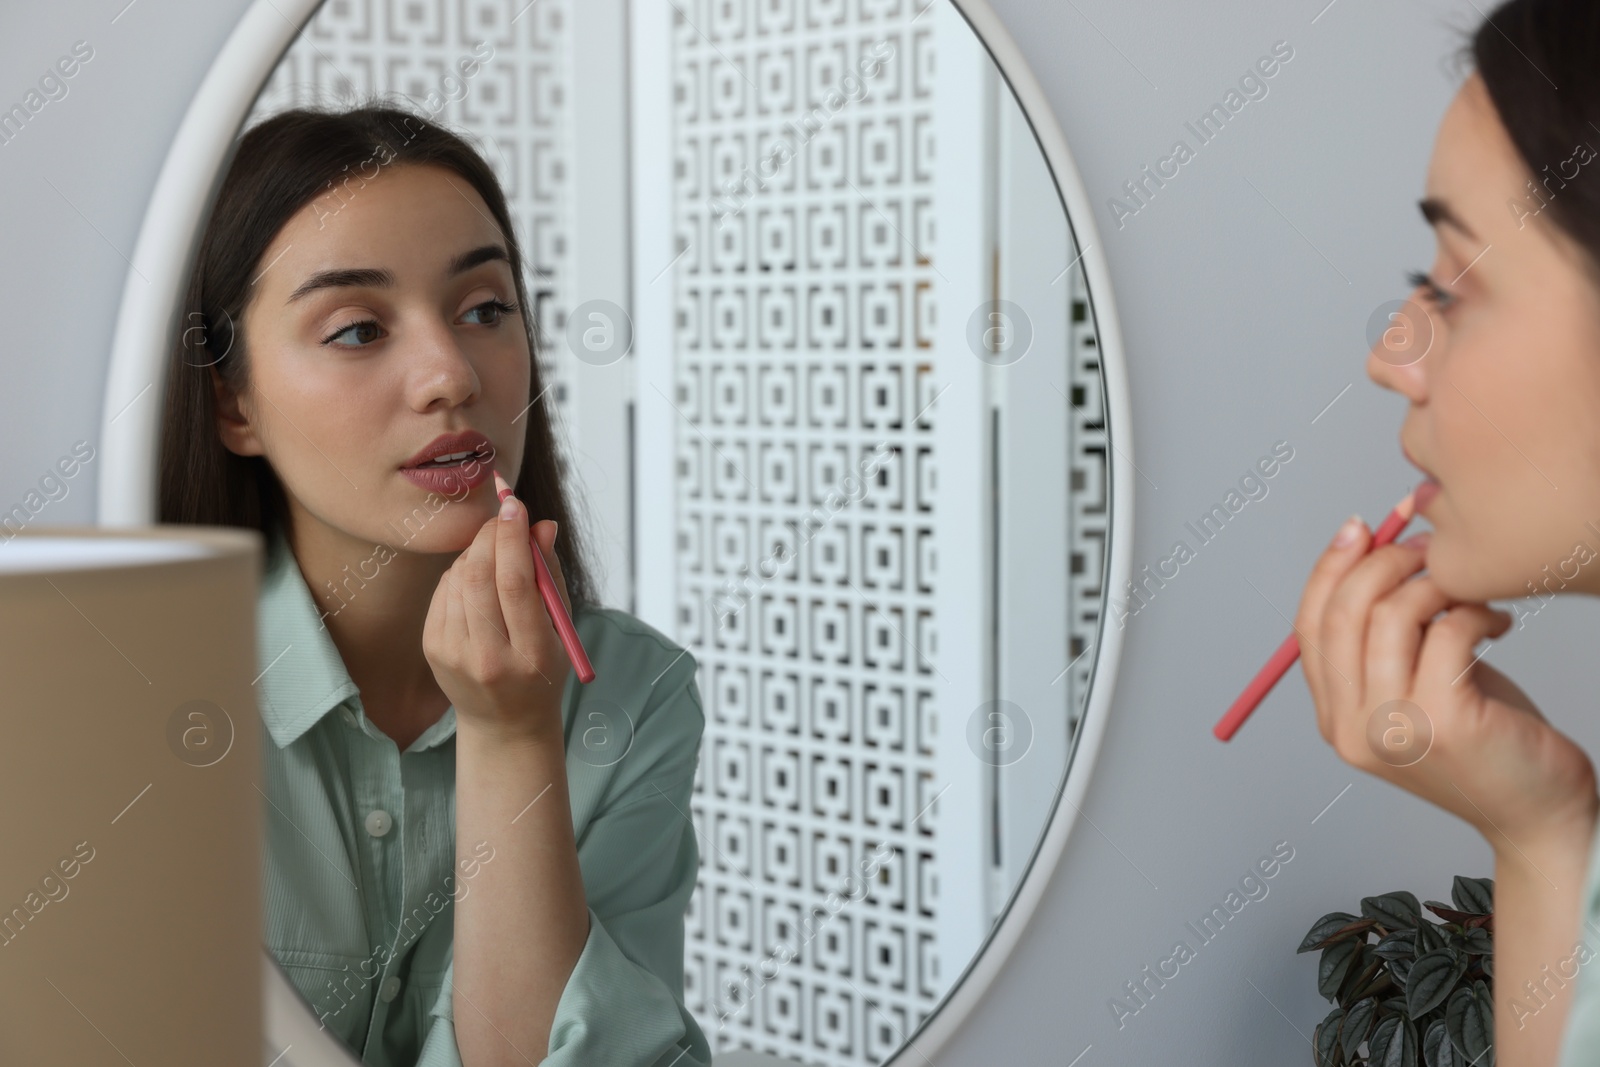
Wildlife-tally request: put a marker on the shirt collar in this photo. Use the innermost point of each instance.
(304, 676)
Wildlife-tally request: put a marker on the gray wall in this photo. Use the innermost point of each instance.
(1244, 288)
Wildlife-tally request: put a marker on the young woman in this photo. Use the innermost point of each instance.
(439, 788)
(1504, 385)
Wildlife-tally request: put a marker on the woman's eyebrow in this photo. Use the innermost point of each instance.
(1436, 211)
(379, 278)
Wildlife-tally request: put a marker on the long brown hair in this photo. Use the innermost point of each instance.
(279, 166)
(1540, 61)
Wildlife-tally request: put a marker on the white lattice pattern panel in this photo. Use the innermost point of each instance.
(513, 108)
(1088, 498)
(803, 334)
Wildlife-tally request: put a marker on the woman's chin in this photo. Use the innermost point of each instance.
(451, 530)
(452, 542)
(1442, 569)
(1469, 578)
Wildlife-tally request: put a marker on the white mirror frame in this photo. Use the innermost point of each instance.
(149, 314)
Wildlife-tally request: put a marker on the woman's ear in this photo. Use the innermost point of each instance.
(233, 424)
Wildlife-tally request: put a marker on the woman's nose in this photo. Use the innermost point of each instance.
(1405, 336)
(443, 370)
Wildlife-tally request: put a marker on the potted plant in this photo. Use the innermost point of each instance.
(1408, 990)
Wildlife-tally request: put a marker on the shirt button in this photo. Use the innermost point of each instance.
(349, 716)
(389, 990)
(378, 822)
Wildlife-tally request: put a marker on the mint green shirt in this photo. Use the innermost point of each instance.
(359, 857)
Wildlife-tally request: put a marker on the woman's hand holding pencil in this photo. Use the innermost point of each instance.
(1400, 694)
(491, 635)
(555, 602)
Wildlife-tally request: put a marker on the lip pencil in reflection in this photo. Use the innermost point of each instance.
(1289, 651)
(552, 599)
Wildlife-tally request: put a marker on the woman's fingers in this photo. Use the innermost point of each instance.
(1395, 634)
(1348, 608)
(519, 602)
(475, 576)
(1334, 563)
(1447, 648)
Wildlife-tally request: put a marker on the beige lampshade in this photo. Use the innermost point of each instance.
(130, 868)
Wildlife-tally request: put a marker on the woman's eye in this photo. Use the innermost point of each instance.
(1441, 297)
(498, 307)
(368, 325)
(369, 330)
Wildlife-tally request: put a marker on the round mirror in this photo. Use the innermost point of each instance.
(830, 353)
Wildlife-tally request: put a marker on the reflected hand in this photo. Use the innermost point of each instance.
(489, 639)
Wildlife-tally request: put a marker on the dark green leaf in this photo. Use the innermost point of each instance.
(1401, 969)
(1381, 983)
(1478, 941)
(1363, 966)
(1400, 945)
(1357, 1024)
(1429, 937)
(1324, 928)
(1333, 966)
(1437, 1051)
(1334, 925)
(1432, 979)
(1393, 1043)
(1475, 895)
(1466, 1024)
(1411, 1052)
(1394, 910)
(1378, 1045)
(1325, 1040)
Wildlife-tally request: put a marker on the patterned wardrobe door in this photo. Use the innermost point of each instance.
(1088, 498)
(804, 208)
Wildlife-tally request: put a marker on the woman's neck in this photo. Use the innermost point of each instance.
(374, 601)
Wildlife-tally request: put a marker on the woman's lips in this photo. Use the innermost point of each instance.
(1426, 490)
(457, 478)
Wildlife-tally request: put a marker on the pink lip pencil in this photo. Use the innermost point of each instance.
(552, 600)
(1289, 651)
